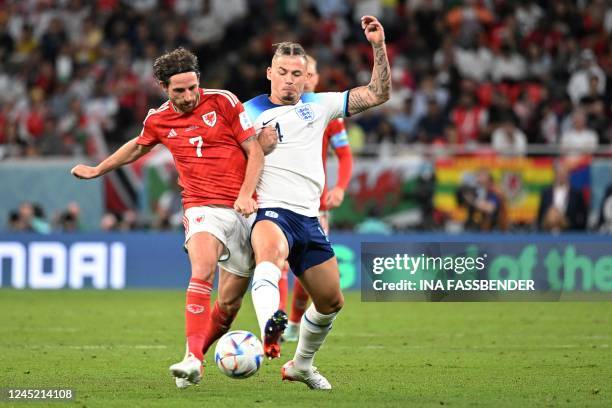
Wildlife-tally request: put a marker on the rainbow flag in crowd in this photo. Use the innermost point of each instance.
(520, 179)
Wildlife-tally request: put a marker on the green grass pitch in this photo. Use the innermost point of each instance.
(114, 349)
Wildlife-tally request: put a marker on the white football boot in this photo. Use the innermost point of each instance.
(312, 378)
(190, 369)
(182, 383)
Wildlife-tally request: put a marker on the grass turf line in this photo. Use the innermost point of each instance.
(114, 349)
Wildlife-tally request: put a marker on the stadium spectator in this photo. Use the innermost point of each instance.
(474, 62)
(432, 126)
(539, 63)
(129, 221)
(579, 83)
(429, 89)
(469, 20)
(67, 222)
(30, 217)
(69, 219)
(508, 64)
(109, 222)
(485, 203)
(405, 121)
(579, 138)
(509, 140)
(469, 119)
(15, 223)
(595, 107)
(562, 207)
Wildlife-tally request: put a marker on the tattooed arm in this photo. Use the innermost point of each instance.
(377, 91)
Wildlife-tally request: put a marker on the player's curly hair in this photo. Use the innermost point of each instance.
(175, 62)
(288, 48)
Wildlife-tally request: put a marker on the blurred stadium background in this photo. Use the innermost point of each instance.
(490, 100)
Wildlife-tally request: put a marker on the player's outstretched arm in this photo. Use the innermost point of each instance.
(127, 153)
(379, 88)
(245, 204)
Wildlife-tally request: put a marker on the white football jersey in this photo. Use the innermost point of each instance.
(293, 175)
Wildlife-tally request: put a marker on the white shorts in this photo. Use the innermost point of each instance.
(229, 227)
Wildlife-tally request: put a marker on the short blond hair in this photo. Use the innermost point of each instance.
(288, 48)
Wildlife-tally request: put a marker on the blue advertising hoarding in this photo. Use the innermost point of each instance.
(157, 260)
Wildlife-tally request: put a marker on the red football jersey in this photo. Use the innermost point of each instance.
(335, 135)
(205, 145)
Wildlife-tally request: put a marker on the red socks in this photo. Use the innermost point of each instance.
(218, 325)
(299, 304)
(283, 288)
(197, 315)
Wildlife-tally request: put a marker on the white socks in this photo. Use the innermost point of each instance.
(313, 330)
(264, 292)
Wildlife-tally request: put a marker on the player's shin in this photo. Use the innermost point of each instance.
(283, 288)
(197, 313)
(265, 293)
(219, 323)
(298, 304)
(313, 330)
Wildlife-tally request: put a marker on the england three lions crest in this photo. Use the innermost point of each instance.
(210, 118)
(305, 112)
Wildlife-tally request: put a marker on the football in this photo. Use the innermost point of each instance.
(239, 354)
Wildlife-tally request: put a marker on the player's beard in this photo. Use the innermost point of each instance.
(187, 107)
(289, 97)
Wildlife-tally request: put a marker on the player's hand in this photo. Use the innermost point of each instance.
(268, 138)
(245, 205)
(373, 30)
(335, 197)
(85, 172)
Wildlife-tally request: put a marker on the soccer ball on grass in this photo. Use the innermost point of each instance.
(239, 354)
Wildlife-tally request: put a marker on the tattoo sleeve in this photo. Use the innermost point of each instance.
(377, 91)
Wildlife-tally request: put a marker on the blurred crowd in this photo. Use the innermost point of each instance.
(505, 75)
(497, 72)
(562, 208)
(31, 217)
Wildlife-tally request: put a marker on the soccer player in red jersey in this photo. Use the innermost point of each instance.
(335, 136)
(219, 161)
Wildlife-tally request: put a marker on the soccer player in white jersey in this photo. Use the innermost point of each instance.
(336, 137)
(286, 227)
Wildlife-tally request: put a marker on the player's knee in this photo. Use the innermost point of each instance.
(270, 253)
(203, 271)
(331, 305)
(337, 304)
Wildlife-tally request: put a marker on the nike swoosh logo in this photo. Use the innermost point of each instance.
(265, 123)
